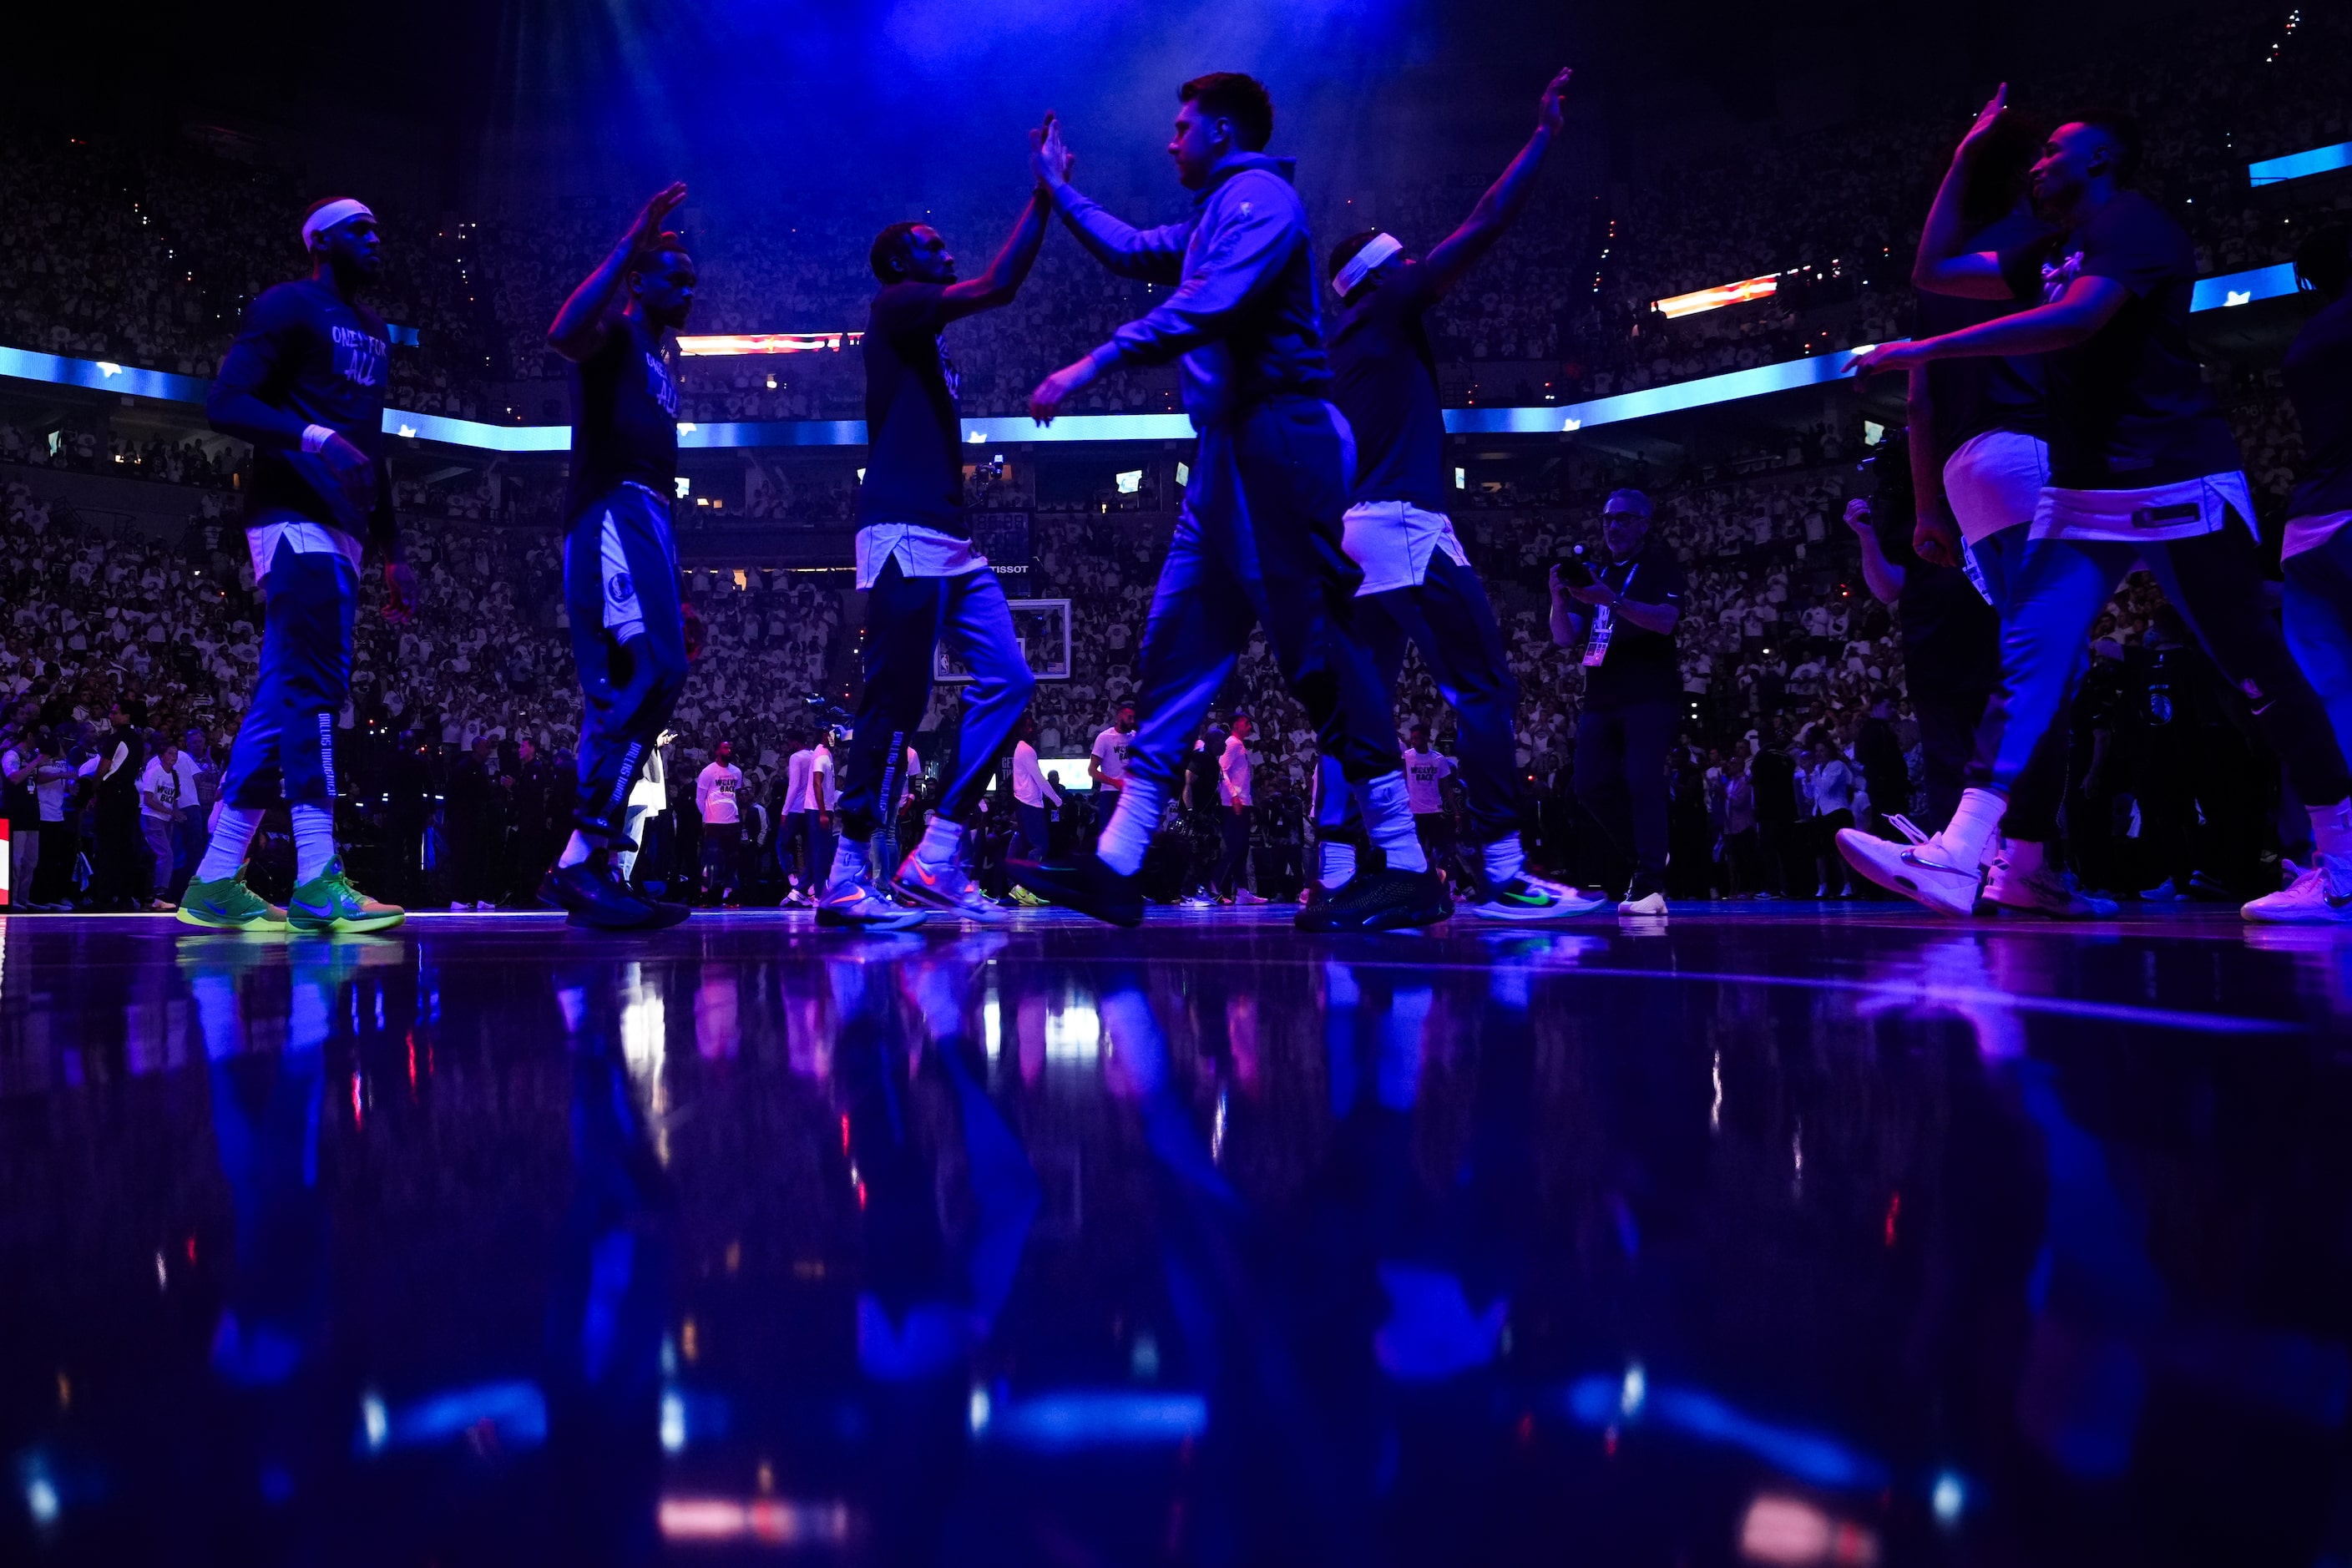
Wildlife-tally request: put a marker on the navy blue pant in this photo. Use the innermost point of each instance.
(285, 749)
(1621, 779)
(1031, 831)
(1259, 544)
(906, 619)
(630, 689)
(1448, 617)
(2216, 582)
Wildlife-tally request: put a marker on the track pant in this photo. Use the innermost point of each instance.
(2032, 814)
(1029, 831)
(158, 832)
(721, 841)
(1448, 617)
(285, 749)
(793, 850)
(628, 641)
(2216, 582)
(634, 824)
(1234, 826)
(906, 619)
(2319, 627)
(1259, 544)
(1621, 779)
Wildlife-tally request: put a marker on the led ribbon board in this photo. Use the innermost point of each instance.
(2300, 165)
(1677, 306)
(24, 364)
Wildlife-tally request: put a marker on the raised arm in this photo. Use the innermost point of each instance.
(1941, 266)
(579, 327)
(1153, 255)
(1505, 200)
(1005, 274)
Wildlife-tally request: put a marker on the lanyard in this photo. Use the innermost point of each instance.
(1604, 622)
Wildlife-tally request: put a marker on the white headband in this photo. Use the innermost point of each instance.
(328, 217)
(1376, 249)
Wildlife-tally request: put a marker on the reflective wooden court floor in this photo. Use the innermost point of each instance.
(1799, 1234)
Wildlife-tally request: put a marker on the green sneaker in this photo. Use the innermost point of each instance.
(227, 904)
(328, 902)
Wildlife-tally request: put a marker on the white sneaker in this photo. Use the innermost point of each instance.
(855, 904)
(483, 906)
(1244, 896)
(2044, 892)
(1647, 904)
(1916, 871)
(460, 907)
(1527, 900)
(950, 890)
(2321, 896)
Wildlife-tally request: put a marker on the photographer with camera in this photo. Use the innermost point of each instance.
(1622, 614)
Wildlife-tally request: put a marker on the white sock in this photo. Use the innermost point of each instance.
(1398, 1074)
(2331, 828)
(215, 997)
(1132, 823)
(848, 861)
(2024, 856)
(314, 841)
(1388, 817)
(942, 842)
(1506, 861)
(1338, 863)
(232, 836)
(575, 851)
(1974, 822)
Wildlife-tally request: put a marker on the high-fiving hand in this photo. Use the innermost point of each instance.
(1985, 119)
(651, 222)
(1548, 112)
(1049, 157)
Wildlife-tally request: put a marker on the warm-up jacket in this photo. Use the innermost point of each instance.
(1246, 315)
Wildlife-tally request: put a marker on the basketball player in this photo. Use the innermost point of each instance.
(619, 562)
(928, 586)
(304, 385)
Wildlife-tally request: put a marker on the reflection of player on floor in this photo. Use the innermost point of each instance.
(1259, 541)
(1418, 587)
(927, 584)
(304, 384)
(620, 562)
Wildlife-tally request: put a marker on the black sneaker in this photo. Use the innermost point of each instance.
(595, 896)
(1380, 900)
(1085, 885)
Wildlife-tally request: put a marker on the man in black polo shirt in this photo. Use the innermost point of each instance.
(927, 584)
(1625, 620)
(2143, 467)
